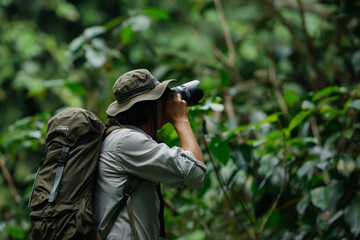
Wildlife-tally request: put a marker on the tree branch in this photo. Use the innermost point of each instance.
(218, 53)
(303, 26)
(323, 80)
(9, 178)
(227, 34)
(279, 96)
(285, 170)
(231, 205)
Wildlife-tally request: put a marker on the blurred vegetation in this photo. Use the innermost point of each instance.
(279, 124)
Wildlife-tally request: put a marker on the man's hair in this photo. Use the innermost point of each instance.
(136, 115)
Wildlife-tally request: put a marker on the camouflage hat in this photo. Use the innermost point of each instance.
(135, 86)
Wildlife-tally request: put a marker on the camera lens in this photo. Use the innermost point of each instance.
(190, 92)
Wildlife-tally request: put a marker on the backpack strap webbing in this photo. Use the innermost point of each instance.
(59, 171)
(111, 125)
(131, 185)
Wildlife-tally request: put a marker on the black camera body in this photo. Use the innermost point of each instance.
(190, 92)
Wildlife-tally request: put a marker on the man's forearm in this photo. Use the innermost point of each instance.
(187, 139)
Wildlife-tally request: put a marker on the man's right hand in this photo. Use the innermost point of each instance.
(176, 109)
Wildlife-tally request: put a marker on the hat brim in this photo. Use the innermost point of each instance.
(155, 93)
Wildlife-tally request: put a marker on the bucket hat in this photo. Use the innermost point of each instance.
(135, 86)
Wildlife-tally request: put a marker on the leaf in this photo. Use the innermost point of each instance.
(94, 31)
(197, 234)
(245, 150)
(225, 77)
(307, 105)
(268, 163)
(325, 92)
(291, 97)
(113, 23)
(94, 57)
(298, 119)
(352, 216)
(127, 34)
(306, 168)
(217, 107)
(355, 104)
(67, 10)
(15, 232)
(220, 150)
(271, 118)
(302, 205)
(157, 13)
(139, 23)
(76, 88)
(321, 196)
(76, 43)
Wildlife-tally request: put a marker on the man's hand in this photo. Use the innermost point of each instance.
(175, 108)
(177, 113)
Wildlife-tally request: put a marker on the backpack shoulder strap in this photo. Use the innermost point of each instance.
(131, 185)
(111, 125)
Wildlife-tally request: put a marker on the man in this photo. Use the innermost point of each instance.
(143, 105)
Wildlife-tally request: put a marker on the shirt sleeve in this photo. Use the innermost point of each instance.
(141, 156)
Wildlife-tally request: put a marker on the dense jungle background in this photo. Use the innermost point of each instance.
(279, 123)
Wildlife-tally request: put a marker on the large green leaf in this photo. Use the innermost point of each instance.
(352, 216)
(321, 196)
(220, 150)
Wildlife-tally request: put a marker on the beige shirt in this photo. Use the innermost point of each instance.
(132, 151)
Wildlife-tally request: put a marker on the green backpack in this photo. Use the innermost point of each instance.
(62, 193)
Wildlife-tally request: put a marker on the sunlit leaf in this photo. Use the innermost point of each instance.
(76, 88)
(298, 119)
(76, 43)
(15, 232)
(307, 105)
(325, 92)
(271, 118)
(127, 34)
(94, 31)
(157, 13)
(94, 57)
(67, 10)
(198, 234)
(291, 97)
(139, 23)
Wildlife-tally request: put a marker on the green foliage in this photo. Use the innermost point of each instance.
(279, 123)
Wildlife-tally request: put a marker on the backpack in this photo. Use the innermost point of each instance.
(62, 193)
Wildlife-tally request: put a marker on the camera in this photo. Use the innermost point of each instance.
(190, 92)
